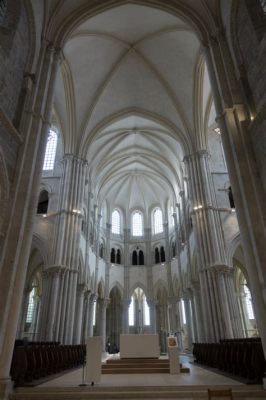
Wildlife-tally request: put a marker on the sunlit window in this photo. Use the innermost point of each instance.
(31, 306)
(116, 222)
(131, 312)
(183, 312)
(263, 5)
(137, 225)
(146, 311)
(248, 302)
(50, 151)
(158, 221)
(94, 313)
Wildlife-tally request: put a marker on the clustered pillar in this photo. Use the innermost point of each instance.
(220, 311)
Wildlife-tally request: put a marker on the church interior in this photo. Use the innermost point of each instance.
(133, 189)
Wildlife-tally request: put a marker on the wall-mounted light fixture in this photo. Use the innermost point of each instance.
(198, 207)
(217, 130)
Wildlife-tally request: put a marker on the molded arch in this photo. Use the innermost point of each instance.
(59, 33)
(118, 286)
(136, 286)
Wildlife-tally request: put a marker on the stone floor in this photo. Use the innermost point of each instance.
(197, 376)
(189, 386)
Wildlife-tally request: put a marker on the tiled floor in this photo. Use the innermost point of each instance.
(197, 376)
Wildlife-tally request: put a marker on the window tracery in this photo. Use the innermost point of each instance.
(137, 224)
(116, 222)
(158, 220)
(50, 152)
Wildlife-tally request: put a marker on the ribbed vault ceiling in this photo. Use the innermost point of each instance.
(133, 97)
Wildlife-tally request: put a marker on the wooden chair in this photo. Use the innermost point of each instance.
(226, 393)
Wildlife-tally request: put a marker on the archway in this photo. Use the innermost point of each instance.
(114, 320)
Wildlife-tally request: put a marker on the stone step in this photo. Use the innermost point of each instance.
(135, 365)
(133, 393)
(137, 370)
(137, 360)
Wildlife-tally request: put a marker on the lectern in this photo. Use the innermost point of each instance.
(94, 359)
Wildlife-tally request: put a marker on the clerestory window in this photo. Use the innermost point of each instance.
(116, 222)
(137, 224)
(50, 151)
(158, 220)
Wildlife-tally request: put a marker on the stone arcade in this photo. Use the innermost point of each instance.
(132, 179)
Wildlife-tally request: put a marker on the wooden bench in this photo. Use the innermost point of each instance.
(226, 393)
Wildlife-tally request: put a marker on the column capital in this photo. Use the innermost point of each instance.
(93, 298)
(220, 269)
(203, 153)
(70, 157)
(104, 302)
(54, 270)
(81, 288)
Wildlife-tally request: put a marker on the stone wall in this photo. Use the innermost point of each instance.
(14, 47)
(251, 38)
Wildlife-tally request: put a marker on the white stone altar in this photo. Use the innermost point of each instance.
(139, 346)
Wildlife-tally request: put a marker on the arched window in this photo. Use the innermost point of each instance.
(101, 250)
(173, 249)
(248, 302)
(263, 5)
(135, 258)
(112, 258)
(139, 310)
(230, 196)
(3, 8)
(116, 222)
(31, 307)
(137, 224)
(183, 312)
(162, 254)
(43, 202)
(157, 256)
(141, 258)
(146, 311)
(50, 151)
(118, 256)
(158, 221)
(131, 312)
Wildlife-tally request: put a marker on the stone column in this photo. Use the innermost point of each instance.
(81, 288)
(85, 322)
(67, 241)
(107, 261)
(103, 303)
(23, 314)
(152, 307)
(186, 300)
(17, 242)
(195, 287)
(125, 323)
(219, 319)
(236, 128)
(150, 292)
(186, 232)
(178, 245)
(50, 289)
(92, 301)
(174, 315)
